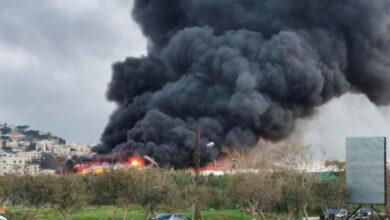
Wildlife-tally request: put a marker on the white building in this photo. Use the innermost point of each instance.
(61, 150)
(12, 159)
(18, 163)
(29, 156)
(44, 145)
(11, 163)
(32, 169)
(12, 143)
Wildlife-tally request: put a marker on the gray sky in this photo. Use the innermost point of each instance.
(351, 115)
(55, 63)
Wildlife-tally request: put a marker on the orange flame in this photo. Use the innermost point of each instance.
(85, 171)
(98, 171)
(222, 163)
(134, 162)
(100, 165)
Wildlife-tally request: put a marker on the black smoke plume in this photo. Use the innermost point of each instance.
(241, 70)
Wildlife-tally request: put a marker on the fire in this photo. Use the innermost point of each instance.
(102, 165)
(98, 171)
(85, 171)
(135, 163)
(222, 163)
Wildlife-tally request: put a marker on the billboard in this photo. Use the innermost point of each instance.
(366, 169)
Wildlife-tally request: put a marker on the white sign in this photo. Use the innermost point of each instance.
(366, 170)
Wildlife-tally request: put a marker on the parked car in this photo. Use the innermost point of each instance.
(2, 218)
(332, 214)
(172, 217)
(363, 213)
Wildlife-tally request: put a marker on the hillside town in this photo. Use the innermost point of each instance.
(27, 151)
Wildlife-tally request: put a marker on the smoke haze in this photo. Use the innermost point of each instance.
(241, 70)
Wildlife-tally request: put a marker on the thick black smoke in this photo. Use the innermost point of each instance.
(241, 69)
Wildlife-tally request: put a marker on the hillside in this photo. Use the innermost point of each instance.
(28, 150)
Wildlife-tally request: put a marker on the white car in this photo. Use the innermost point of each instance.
(2, 218)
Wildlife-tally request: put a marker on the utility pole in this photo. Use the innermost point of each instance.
(197, 155)
(197, 207)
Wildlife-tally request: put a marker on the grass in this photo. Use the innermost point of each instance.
(106, 213)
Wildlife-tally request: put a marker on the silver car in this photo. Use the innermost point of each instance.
(172, 217)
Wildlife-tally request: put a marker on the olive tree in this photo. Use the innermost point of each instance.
(105, 190)
(4, 183)
(297, 193)
(292, 162)
(196, 196)
(156, 188)
(37, 192)
(117, 187)
(70, 195)
(127, 185)
(330, 193)
(256, 189)
(28, 192)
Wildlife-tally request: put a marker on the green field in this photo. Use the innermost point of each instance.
(106, 213)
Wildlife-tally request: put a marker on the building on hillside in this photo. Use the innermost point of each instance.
(32, 169)
(81, 148)
(29, 156)
(11, 163)
(23, 144)
(13, 135)
(12, 159)
(44, 145)
(61, 150)
(11, 143)
(18, 163)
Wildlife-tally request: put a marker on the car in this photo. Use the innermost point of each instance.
(172, 217)
(331, 214)
(3, 218)
(341, 214)
(363, 213)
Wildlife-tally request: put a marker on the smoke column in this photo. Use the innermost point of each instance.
(241, 70)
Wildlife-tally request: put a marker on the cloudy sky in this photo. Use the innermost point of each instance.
(55, 63)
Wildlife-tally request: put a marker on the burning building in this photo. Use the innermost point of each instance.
(112, 162)
(241, 70)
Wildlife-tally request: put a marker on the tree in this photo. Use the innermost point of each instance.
(257, 190)
(5, 182)
(156, 188)
(127, 185)
(291, 162)
(105, 190)
(296, 192)
(30, 193)
(182, 178)
(69, 195)
(37, 192)
(330, 194)
(5, 130)
(196, 196)
(22, 128)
